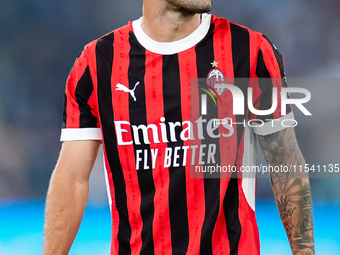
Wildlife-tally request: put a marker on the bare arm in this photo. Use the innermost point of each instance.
(291, 189)
(67, 195)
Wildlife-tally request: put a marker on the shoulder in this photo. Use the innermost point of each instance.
(107, 40)
(242, 34)
(235, 28)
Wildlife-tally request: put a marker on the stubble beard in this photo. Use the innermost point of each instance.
(190, 6)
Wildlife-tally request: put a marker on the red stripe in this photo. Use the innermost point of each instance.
(223, 48)
(249, 240)
(194, 113)
(254, 43)
(220, 239)
(194, 186)
(120, 102)
(155, 110)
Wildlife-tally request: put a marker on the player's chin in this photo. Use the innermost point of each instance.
(203, 8)
(199, 10)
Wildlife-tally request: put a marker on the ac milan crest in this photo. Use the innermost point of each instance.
(215, 77)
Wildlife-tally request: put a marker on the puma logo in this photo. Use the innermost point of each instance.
(122, 87)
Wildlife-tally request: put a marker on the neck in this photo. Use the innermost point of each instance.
(164, 24)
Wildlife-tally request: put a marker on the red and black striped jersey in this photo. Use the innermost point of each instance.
(136, 95)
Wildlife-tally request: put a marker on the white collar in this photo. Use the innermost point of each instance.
(168, 48)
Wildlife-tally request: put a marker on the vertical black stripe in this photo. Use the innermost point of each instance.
(83, 93)
(280, 62)
(278, 57)
(205, 56)
(241, 62)
(137, 111)
(230, 205)
(104, 57)
(265, 85)
(240, 50)
(177, 186)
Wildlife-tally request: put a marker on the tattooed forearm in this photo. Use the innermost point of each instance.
(291, 189)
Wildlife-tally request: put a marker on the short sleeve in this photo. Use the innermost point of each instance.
(80, 117)
(270, 81)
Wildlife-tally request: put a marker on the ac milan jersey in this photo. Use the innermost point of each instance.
(136, 95)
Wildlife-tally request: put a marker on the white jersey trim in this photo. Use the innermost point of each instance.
(249, 159)
(273, 126)
(80, 134)
(168, 48)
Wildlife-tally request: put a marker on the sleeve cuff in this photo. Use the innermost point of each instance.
(80, 134)
(276, 125)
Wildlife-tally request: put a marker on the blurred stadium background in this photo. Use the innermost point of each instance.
(39, 41)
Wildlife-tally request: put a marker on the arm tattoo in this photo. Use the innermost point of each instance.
(291, 189)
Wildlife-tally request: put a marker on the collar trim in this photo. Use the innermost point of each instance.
(169, 48)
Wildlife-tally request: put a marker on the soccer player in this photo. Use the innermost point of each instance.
(132, 91)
